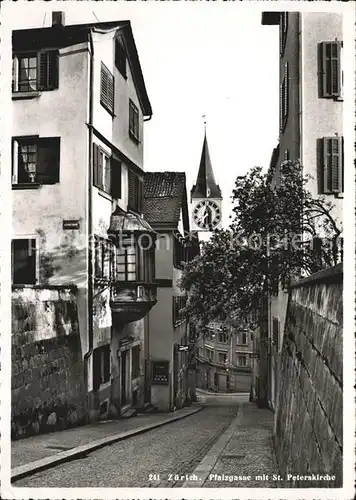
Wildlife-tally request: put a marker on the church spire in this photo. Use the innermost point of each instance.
(205, 186)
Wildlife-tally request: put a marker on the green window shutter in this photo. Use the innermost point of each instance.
(48, 158)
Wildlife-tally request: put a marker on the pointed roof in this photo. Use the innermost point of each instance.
(205, 186)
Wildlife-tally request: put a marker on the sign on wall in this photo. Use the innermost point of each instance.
(71, 224)
(160, 372)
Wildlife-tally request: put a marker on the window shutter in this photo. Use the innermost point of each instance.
(48, 157)
(333, 165)
(107, 89)
(133, 191)
(330, 74)
(115, 178)
(96, 172)
(106, 360)
(107, 173)
(120, 57)
(47, 70)
(96, 369)
(140, 195)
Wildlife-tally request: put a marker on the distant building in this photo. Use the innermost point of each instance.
(224, 358)
(166, 209)
(79, 103)
(311, 130)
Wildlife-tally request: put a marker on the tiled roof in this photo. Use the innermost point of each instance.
(163, 196)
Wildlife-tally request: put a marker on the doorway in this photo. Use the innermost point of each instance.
(125, 377)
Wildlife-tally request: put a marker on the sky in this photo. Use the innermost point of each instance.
(198, 58)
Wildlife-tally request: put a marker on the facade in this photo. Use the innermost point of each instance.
(224, 359)
(311, 107)
(166, 209)
(79, 106)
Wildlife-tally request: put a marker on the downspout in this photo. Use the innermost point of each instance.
(90, 242)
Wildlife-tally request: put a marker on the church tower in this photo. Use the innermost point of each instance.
(206, 198)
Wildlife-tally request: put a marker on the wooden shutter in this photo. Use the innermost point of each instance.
(96, 369)
(330, 71)
(47, 70)
(275, 332)
(97, 178)
(139, 195)
(332, 164)
(133, 190)
(115, 188)
(107, 89)
(107, 173)
(48, 158)
(106, 363)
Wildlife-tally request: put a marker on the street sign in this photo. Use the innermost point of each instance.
(71, 224)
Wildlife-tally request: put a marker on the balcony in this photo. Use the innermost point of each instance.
(133, 291)
(132, 300)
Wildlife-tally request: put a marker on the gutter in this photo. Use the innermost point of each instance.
(90, 163)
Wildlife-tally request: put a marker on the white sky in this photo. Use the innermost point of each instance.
(212, 58)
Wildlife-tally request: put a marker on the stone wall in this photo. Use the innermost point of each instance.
(48, 389)
(308, 419)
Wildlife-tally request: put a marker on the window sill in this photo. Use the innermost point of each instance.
(25, 95)
(133, 138)
(29, 185)
(105, 195)
(110, 111)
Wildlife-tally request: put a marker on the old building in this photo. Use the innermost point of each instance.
(79, 104)
(166, 209)
(311, 115)
(224, 358)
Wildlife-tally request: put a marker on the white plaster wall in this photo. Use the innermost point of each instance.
(321, 117)
(116, 129)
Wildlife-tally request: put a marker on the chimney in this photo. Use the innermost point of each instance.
(58, 18)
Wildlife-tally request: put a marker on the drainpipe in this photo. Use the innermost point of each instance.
(90, 252)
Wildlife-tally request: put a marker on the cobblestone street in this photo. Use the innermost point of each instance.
(169, 455)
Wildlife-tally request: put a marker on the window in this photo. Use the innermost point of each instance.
(209, 354)
(135, 361)
(275, 332)
(283, 98)
(101, 366)
(104, 259)
(107, 89)
(283, 28)
(242, 360)
(222, 338)
(179, 303)
(35, 71)
(135, 194)
(133, 121)
(120, 57)
(23, 253)
(135, 259)
(332, 165)
(35, 160)
(242, 338)
(179, 252)
(106, 172)
(126, 260)
(330, 76)
(222, 357)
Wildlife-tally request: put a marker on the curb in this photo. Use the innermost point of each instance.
(81, 451)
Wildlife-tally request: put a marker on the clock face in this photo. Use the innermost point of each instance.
(207, 214)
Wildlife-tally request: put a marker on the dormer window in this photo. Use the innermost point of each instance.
(34, 71)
